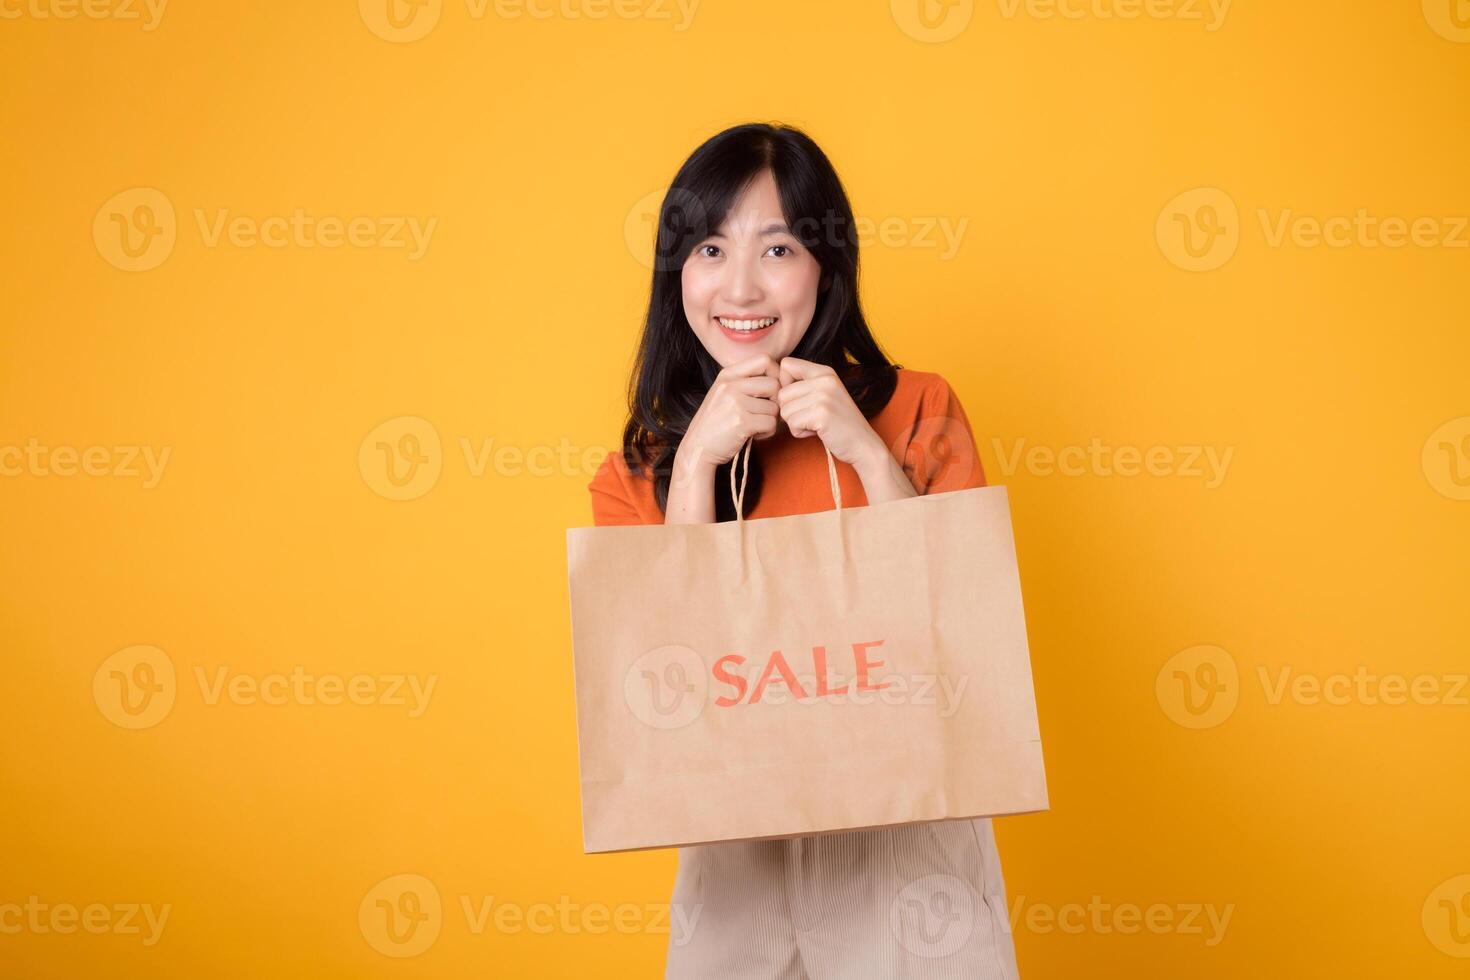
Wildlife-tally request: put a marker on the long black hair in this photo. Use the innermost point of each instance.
(672, 371)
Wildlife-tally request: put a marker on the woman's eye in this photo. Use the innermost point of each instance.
(781, 251)
(709, 251)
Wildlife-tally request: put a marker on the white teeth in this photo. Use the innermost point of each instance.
(746, 324)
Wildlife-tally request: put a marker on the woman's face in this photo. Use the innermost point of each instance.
(751, 288)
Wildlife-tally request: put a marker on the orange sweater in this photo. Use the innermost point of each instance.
(923, 426)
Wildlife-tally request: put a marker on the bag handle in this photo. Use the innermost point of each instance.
(742, 459)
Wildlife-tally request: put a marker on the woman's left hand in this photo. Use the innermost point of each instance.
(814, 401)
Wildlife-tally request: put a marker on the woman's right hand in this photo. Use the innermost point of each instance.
(741, 403)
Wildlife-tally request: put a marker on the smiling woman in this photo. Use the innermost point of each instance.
(751, 282)
(754, 317)
(755, 337)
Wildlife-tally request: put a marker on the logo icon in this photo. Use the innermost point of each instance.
(932, 21)
(1450, 19)
(400, 21)
(136, 229)
(933, 916)
(1446, 458)
(666, 688)
(937, 452)
(1446, 917)
(135, 687)
(657, 248)
(1198, 687)
(401, 916)
(402, 458)
(1199, 230)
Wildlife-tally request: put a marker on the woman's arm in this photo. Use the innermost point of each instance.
(815, 402)
(883, 479)
(691, 487)
(940, 453)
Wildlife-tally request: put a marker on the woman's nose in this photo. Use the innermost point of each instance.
(743, 285)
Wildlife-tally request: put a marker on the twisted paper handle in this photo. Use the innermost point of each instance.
(742, 459)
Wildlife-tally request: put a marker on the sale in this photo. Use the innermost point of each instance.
(778, 671)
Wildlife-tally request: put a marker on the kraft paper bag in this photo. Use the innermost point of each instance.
(853, 668)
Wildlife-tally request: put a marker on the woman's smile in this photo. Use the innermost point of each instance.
(745, 329)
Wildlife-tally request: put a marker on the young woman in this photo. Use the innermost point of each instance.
(755, 332)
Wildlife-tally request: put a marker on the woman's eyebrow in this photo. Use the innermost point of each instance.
(774, 228)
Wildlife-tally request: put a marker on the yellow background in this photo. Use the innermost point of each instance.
(1061, 319)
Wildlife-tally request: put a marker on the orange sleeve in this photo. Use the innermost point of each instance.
(611, 502)
(943, 454)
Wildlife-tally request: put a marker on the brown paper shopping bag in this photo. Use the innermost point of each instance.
(852, 668)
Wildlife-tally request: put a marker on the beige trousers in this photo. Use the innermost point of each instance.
(922, 900)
